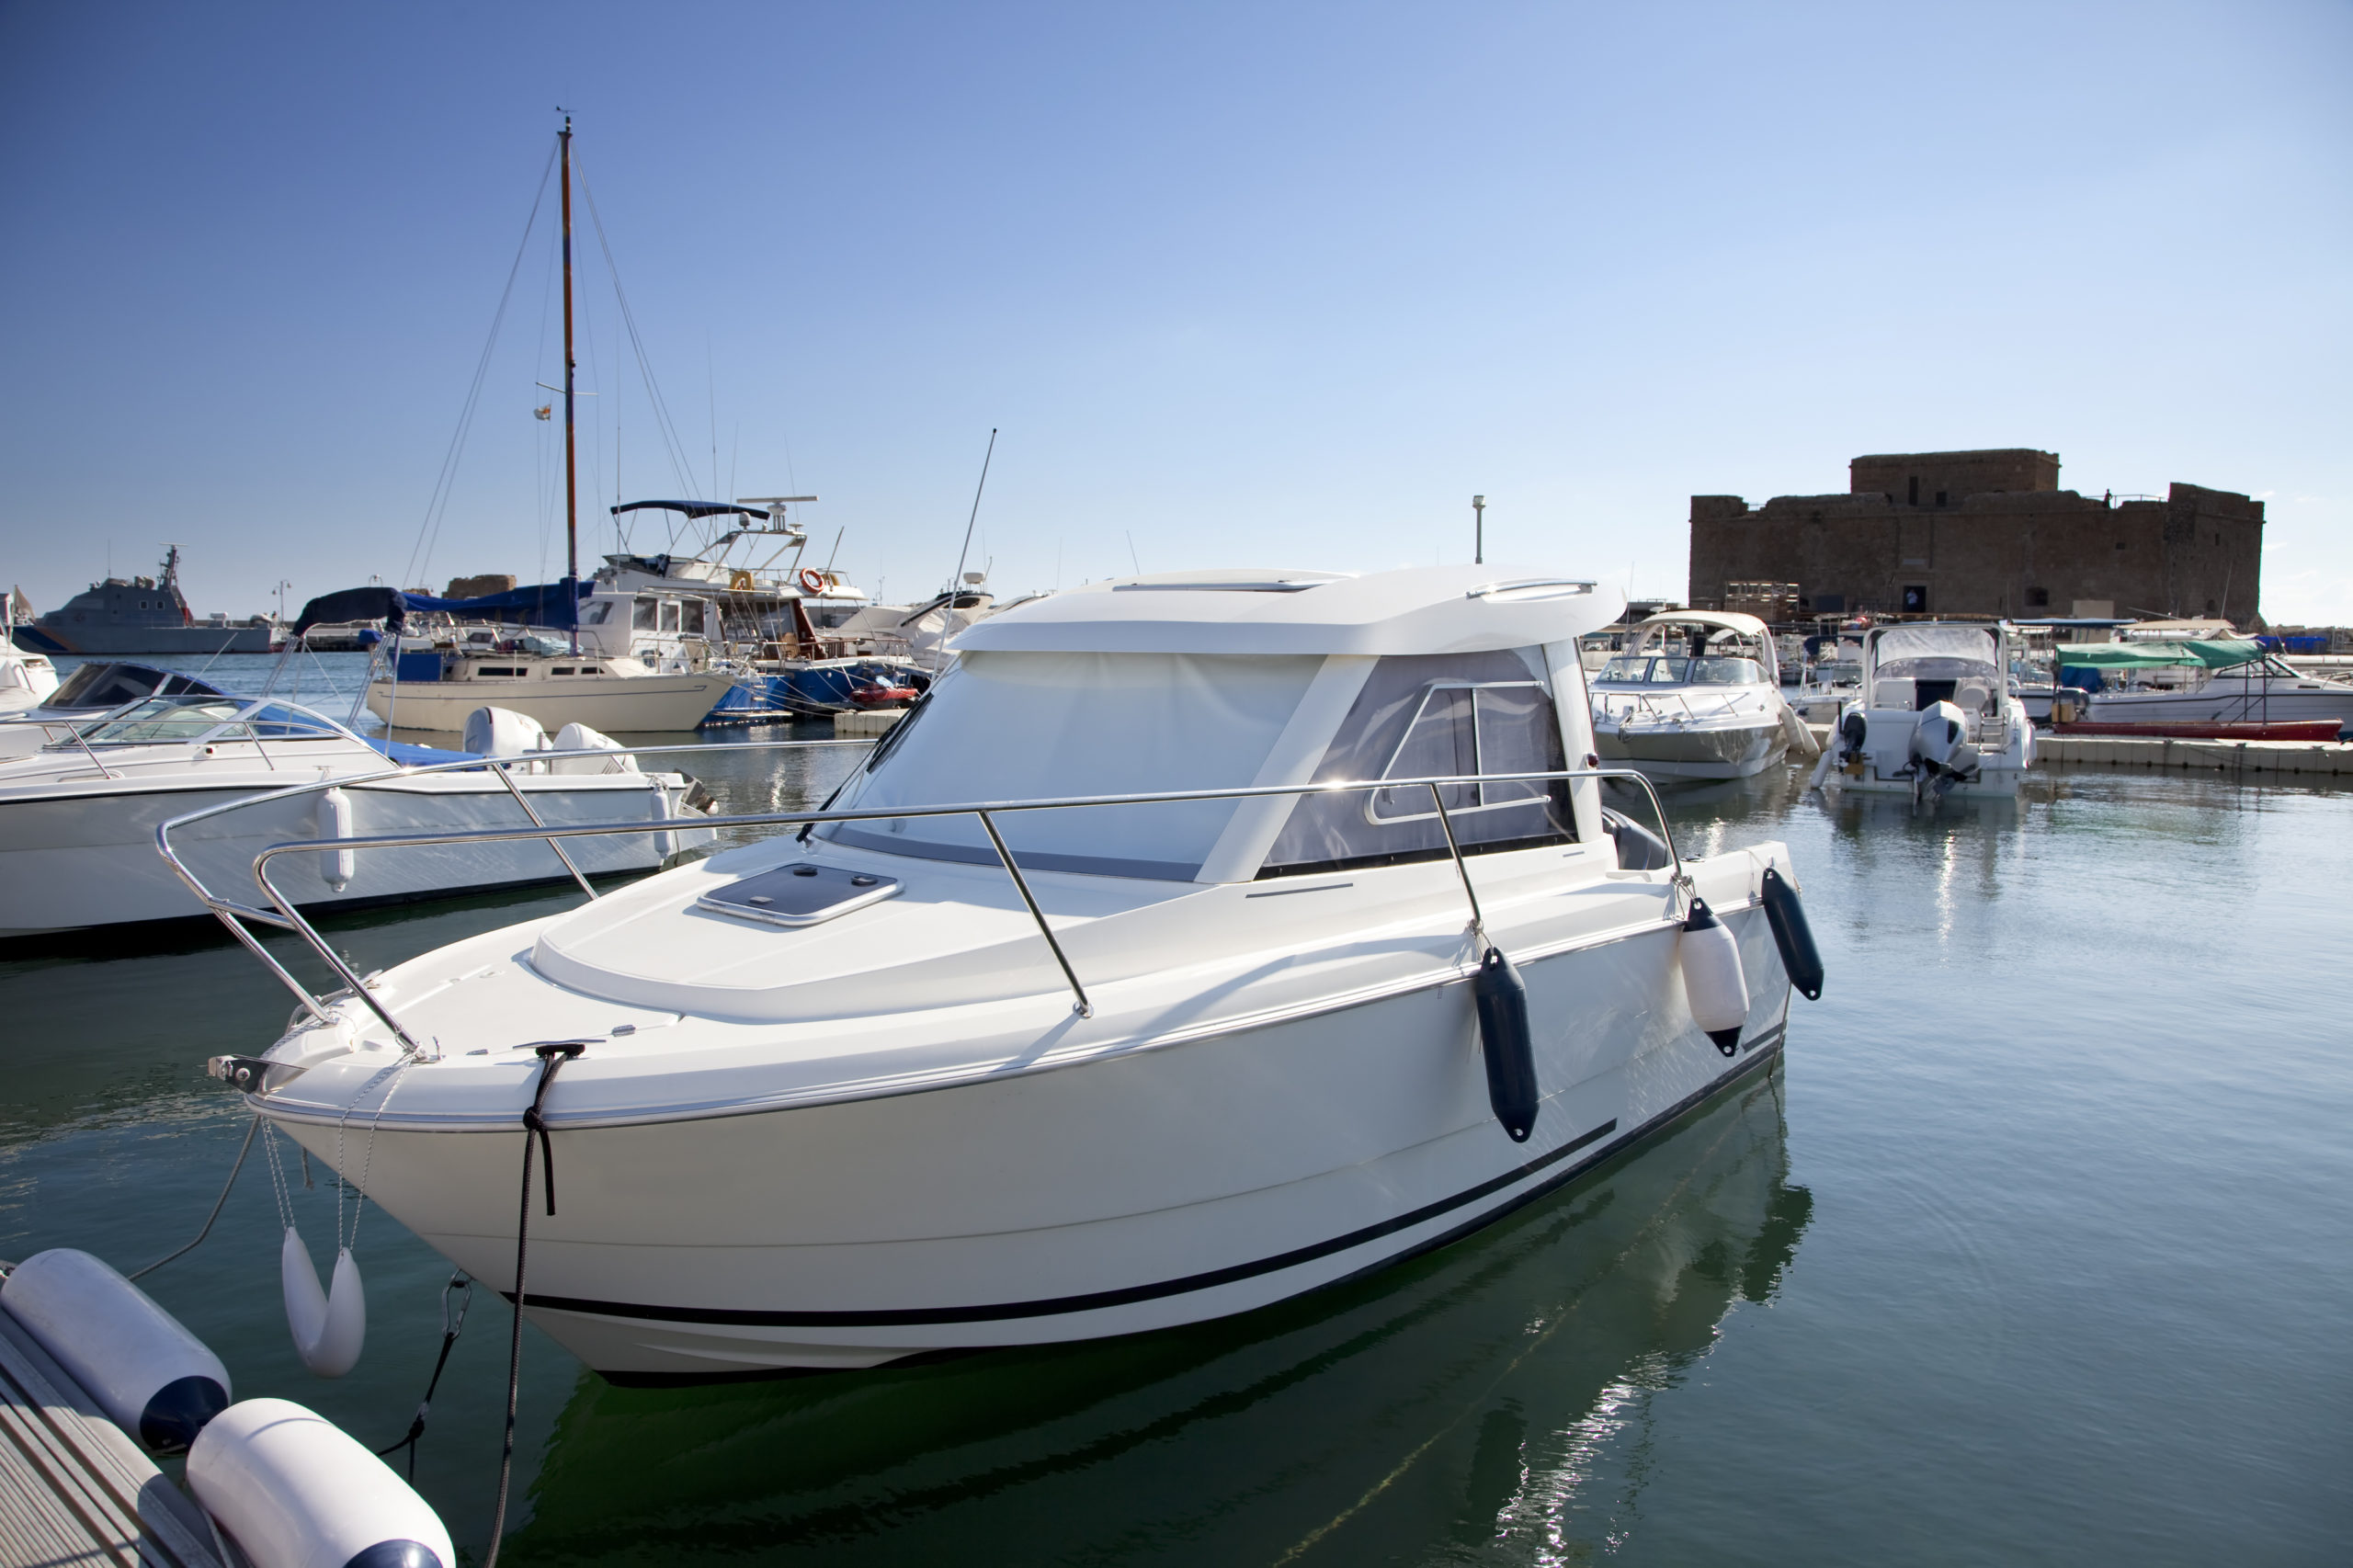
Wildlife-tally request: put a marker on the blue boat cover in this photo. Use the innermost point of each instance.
(553, 605)
(409, 756)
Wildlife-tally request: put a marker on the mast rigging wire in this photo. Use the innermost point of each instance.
(436, 505)
(664, 425)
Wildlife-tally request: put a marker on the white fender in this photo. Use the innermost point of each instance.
(580, 738)
(295, 1491)
(331, 1326)
(1709, 957)
(335, 866)
(152, 1378)
(1801, 734)
(664, 844)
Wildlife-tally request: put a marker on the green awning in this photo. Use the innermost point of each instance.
(2215, 655)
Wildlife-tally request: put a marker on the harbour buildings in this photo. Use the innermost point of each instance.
(1980, 533)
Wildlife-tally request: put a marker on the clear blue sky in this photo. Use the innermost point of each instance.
(1259, 284)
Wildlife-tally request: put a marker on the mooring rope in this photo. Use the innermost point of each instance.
(243, 1150)
(450, 1329)
(552, 1055)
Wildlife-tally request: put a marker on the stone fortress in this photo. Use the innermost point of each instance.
(1983, 533)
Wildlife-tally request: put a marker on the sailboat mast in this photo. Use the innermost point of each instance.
(571, 463)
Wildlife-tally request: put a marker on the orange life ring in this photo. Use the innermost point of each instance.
(812, 581)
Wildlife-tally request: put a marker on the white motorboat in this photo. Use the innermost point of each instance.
(2228, 681)
(78, 819)
(26, 679)
(1936, 716)
(91, 691)
(1695, 695)
(1205, 1005)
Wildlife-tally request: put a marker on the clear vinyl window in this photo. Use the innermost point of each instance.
(1435, 716)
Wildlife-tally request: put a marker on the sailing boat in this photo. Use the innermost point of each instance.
(437, 677)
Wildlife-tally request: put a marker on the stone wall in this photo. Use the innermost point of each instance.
(2026, 551)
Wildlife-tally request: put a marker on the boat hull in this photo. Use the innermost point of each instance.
(1166, 1185)
(97, 640)
(70, 861)
(1696, 751)
(612, 704)
(2228, 702)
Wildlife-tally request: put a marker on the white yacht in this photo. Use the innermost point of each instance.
(2231, 681)
(78, 819)
(986, 1058)
(1935, 716)
(1695, 694)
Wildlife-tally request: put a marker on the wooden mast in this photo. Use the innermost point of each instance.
(571, 461)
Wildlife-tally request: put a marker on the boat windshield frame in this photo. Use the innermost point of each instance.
(149, 722)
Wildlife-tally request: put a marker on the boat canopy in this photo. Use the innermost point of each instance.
(542, 603)
(2221, 654)
(1434, 610)
(693, 509)
(1724, 620)
(1965, 644)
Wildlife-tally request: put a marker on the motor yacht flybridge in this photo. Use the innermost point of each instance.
(1200, 941)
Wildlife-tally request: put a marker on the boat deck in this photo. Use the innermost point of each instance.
(73, 1489)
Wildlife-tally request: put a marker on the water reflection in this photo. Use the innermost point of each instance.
(1462, 1406)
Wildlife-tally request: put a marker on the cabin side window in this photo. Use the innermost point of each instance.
(1435, 716)
(641, 615)
(595, 611)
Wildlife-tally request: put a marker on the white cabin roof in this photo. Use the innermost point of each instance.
(1726, 620)
(1432, 609)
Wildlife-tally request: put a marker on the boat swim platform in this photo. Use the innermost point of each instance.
(2298, 757)
(74, 1490)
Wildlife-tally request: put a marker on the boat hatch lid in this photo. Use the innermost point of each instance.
(1433, 610)
(799, 895)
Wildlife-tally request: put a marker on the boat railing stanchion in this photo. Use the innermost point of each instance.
(1084, 1008)
(309, 933)
(506, 777)
(1445, 826)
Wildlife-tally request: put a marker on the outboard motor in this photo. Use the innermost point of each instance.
(1941, 748)
(501, 731)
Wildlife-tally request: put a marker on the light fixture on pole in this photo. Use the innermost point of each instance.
(1479, 530)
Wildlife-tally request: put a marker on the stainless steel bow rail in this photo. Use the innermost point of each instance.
(284, 915)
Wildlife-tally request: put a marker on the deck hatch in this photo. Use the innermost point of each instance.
(799, 895)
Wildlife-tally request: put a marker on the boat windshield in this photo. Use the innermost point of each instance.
(164, 719)
(1008, 726)
(1643, 670)
(1936, 653)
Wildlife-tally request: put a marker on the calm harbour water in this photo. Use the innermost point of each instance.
(2038, 1247)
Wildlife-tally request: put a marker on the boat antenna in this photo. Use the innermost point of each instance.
(975, 517)
(571, 464)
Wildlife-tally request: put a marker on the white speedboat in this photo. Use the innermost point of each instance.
(91, 691)
(2232, 681)
(871, 1091)
(78, 819)
(1936, 716)
(26, 679)
(1833, 677)
(1695, 695)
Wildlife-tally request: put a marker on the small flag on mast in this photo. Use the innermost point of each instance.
(544, 410)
